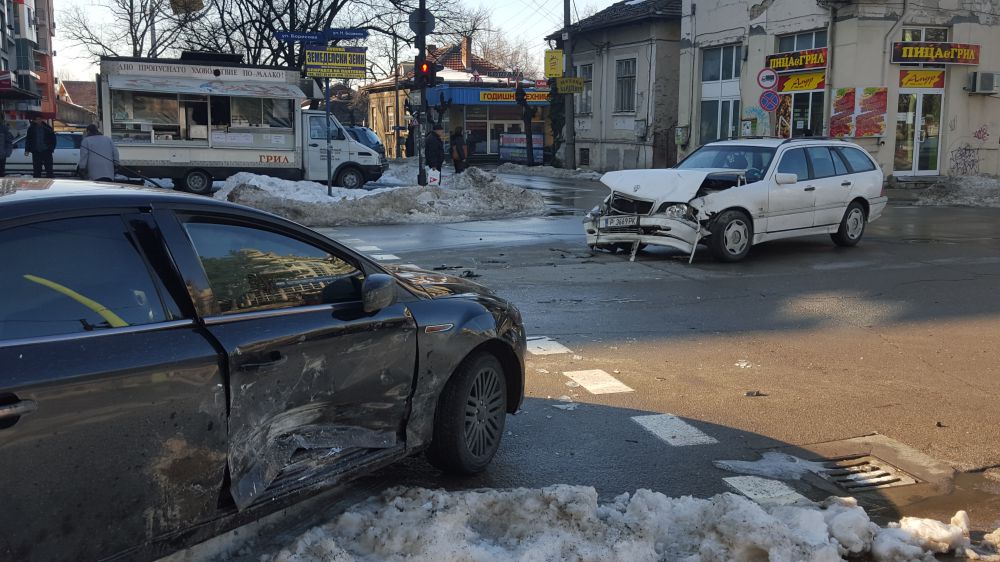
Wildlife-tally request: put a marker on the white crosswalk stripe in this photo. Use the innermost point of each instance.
(765, 491)
(674, 430)
(541, 345)
(597, 381)
(367, 248)
(385, 257)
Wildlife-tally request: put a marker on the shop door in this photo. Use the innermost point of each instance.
(498, 128)
(918, 133)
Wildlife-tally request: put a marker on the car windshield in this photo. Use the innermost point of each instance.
(365, 136)
(730, 157)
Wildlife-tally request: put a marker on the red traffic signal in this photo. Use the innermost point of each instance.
(425, 73)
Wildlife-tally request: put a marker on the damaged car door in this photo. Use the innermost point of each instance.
(316, 384)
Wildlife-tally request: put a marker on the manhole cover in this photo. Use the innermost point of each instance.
(858, 473)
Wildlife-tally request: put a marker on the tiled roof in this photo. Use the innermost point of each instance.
(451, 57)
(83, 93)
(626, 11)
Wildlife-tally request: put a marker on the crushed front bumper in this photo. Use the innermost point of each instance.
(656, 230)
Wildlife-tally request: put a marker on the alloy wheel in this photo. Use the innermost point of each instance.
(484, 410)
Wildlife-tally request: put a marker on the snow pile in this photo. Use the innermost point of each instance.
(773, 465)
(401, 172)
(568, 523)
(472, 195)
(548, 171)
(971, 191)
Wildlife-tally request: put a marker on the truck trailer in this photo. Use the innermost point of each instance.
(196, 121)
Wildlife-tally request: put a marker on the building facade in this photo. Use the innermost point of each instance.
(629, 58)
(479, 96)
(27, 76)
(913, 83)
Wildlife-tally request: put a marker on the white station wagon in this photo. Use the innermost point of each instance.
(731, 195)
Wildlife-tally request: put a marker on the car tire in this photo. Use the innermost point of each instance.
(732, 236)
(198, 182)
(852, 226)
(470, 416)
(350, 178)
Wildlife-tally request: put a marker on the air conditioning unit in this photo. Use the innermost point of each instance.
(984, 83)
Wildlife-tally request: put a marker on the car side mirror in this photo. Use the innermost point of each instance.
(378, 292)
(785, 179)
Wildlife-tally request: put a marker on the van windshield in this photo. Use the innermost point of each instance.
(731, 157)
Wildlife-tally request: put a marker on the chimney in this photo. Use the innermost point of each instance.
(467, 53)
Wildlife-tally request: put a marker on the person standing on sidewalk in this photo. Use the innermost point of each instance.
(40, 144)
(6, 147)
(98, 156)
(459, 151)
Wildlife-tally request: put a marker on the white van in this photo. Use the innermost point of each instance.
(198, 122)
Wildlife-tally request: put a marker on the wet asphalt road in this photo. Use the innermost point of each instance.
(898, 336)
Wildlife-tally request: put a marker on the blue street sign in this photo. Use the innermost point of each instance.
(769, 100)
(334, 33)
(294, 36)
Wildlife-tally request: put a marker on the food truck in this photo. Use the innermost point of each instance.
(197, 120)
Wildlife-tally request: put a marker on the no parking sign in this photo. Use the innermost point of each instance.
(769, 100)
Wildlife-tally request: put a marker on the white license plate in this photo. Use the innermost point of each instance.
(612, 222)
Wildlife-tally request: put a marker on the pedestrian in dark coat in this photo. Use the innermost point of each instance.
(434, 148)
(411, 137)
(6, 147)
(40, 144)
(459, 151)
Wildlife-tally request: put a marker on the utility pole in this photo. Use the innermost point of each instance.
(395, 110)
(570, 71)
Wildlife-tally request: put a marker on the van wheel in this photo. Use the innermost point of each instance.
(197, 181)
(852, 226)
(732, 235)
(350, 178)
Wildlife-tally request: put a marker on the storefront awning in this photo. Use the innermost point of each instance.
(202, 86)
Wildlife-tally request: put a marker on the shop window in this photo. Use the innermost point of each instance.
(476, 140)
(802, 41)
(720, 119)
(584, 159)
(625, 85)
(807, 114)
(584, 101)
(144, 117)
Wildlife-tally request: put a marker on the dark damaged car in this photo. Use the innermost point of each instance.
(171, 365)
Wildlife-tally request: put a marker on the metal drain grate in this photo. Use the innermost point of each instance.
(859, 473)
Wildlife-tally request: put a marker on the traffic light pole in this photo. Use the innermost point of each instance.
(422, 112)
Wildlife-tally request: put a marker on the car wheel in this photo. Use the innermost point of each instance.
(197, 181)
(470, 416)
(852, 226)
(350, 178)
(732, 236)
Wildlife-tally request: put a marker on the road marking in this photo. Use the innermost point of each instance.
(352, 241)
(597, 381)
(408, 266)
(368, 248)
(674, 430)
(765, 491)
(542, 345)
(384, 257)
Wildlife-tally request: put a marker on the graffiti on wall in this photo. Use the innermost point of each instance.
(982, 133)
(761, 119)
(964, 160)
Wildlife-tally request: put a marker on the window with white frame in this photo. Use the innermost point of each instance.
(802, 41)
(584, 101)
(625, 85)
(720, 93)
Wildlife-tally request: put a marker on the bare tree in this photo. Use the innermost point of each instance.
(132, 28)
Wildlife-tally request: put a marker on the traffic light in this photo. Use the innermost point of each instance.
(425, 73)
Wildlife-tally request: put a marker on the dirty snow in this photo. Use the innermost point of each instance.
(548, 172)
(472, 195)
(566, 522)
(971, 191)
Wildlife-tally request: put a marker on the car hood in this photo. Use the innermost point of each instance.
(435, 284)
(657, 185)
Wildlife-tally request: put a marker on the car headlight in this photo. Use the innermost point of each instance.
(676, 210)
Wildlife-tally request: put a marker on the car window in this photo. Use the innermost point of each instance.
(794, 162)
(732, 157)
(68, 141)
(838, 163)
(251, 269)
(317, 130)
(856, 159)
(822, 161)
(73, 275)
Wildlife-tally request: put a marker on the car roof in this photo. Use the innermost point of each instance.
(775, 142)
(22, 197)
